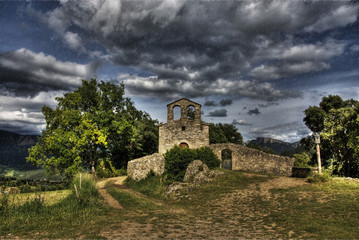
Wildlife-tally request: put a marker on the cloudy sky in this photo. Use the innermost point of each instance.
(255, 64)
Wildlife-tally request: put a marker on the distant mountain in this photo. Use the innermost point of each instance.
(277, 145)
(14, 149)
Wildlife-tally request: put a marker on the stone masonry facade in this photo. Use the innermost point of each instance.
(186, 131)
(191, 132)
(139, 168)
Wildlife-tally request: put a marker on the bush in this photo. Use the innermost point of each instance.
(301, 160)
(177, 160)
(105, 169)
(207, 156)
(324, 177)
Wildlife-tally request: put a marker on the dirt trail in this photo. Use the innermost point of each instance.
(232, 215)
(101, 186)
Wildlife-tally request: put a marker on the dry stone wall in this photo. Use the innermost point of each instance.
(248, 159)
(139, 168)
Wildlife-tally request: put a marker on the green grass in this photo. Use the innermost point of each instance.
(327, 210)
(129, 201)
(152, 186)
(62, 219)
(50, 197)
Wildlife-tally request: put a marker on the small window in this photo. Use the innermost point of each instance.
(183, 128)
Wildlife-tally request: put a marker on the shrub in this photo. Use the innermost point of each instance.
(177, 160)
(324, 177)
(105, 169)
(207, 156)
(301, 160)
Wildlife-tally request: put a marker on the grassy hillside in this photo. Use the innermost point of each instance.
(236, 205)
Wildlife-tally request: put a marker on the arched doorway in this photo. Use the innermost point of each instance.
(183, 145)
(226, 155)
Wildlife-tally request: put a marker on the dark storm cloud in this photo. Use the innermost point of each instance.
(225, 102)
(253, 111)
(210, 104)
(218, 113)
(269, 104)
(198, 45)
(26, 73)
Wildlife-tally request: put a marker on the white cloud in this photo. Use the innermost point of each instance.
(24, 113)
(73, 40)
(241, 122)
(354, 47)
(287, 60)
(46, 69)
(339, 17)
(170, 89)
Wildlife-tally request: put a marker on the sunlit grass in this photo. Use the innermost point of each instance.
(49, 197)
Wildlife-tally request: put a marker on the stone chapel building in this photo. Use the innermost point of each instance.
(186, 131)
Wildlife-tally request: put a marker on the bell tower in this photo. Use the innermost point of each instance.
(187, 131)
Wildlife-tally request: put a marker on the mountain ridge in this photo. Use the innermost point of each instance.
(277, 145)
(14, 149)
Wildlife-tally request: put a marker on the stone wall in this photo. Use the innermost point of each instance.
(248, 159)
(138, 169)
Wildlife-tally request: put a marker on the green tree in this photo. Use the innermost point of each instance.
(342, 131)
(314, 118)
(224, 133)
(92, 125)
(338, 123)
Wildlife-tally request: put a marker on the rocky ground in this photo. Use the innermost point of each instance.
(232, 215)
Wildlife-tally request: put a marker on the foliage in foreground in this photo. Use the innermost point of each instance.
(34, 215)
(93, 125)
(177, 160)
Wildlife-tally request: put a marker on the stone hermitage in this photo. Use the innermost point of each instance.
(189, 131)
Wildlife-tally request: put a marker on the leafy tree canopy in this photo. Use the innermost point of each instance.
(338, 122)
(224, 133)
(93, 126)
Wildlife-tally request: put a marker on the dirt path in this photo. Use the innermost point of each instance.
(101, 186)
(233, 215)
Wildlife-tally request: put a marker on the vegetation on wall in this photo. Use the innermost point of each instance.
(224, 133)
(337, 121)
(177, 160)
(94, 126)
